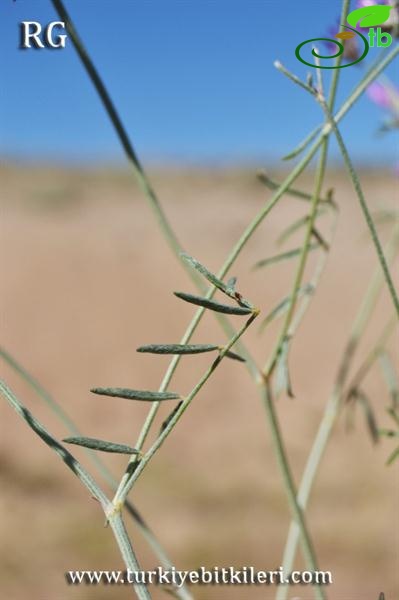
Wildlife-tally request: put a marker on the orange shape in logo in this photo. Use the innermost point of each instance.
(345, 35)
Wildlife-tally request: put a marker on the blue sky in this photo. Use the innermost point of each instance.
(193, 80)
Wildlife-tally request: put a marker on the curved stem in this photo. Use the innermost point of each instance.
(181, 592)
(297, 511)
(135, 468)
(363, 204)
(331, 411)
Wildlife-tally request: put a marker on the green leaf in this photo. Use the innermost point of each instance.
(229, 291)
(177, 348)
(364, 402)
(369, 16)
(102, 445)
(234, 356)
(273, 185)
(215, 306)
(282, 377)
(170, 416)
(48, 439)
(283, 306)
(129, 394)
(296, 225)
(283, 256)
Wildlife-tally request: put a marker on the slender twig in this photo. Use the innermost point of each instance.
(363, 204)
(181, 592)
(319, 179)
(332, 407)
(132, 474)
(95, 491)
(120, 130)
(296, 510)
(373, 355)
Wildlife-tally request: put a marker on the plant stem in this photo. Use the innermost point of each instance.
(302, 260)
(126, 549)
(363, 204)
(375, 71)
(141, 175)
(131, 475)
(116, 121)
(319, 179)
(296, 510)
(331, 411)
(181, 592)
(251, 228)
(86, 479)
(371, 358)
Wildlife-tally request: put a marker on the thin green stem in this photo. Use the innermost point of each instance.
(248, 232)
(331, 411)
(126, 549)
(86, 479)
(132, 474)
(363, 204)
(116, 121)
(373, 355)
(147, 533)
(294, 78)
(375, 71)
(319, 180)
(50, 440)
(139, 171)
(251, 228)
(296, 510)
(302, 260)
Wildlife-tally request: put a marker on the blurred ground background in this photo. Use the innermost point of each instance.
(85, 279)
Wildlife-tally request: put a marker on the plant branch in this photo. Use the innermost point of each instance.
(332, 407)
(296, 510)
(363, 204)
(135, 468)
(93, 488)
(181, 592)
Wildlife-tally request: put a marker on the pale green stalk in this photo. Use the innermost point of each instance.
(373, 355)
(95, 491)
(120, 130)
(363, 204)
(332, 408)
(250, 230)
(374, 71)
(296, 510)
(181, 592)
(133, 472)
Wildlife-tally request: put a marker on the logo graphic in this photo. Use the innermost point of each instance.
(365, 17)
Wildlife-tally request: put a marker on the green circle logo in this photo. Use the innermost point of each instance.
(366, 17)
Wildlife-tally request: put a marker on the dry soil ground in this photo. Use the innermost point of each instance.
(85, 279)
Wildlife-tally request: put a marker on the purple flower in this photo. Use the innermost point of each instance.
(378, 93)
(385, 95)
(362, 3)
